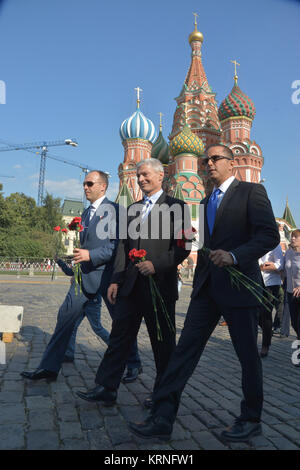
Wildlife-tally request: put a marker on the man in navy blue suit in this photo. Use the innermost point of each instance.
(239, 228)
(98, 242)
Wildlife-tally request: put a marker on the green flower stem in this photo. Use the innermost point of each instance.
(237, 278)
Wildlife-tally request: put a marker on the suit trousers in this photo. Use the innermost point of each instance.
(202, 317)
(128, 314)
(68, 314)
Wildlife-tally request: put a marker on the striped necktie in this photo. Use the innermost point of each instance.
(146, 207)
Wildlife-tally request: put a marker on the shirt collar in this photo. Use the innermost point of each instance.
(156, 196)
(225, 185)
(97, 203)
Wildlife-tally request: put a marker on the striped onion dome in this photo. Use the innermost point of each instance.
(237, 103)
(138, 126)
(186, 142)
(160, 149)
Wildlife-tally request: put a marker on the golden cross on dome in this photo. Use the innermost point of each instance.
(138, 89)
(195, 22)
(160, 121)
(235, 74)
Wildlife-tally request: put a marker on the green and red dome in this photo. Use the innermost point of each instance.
(237, 103)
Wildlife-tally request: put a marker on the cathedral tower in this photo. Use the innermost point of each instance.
(236, 114)
(138, 135)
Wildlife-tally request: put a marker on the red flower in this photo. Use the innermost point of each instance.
(64, 230)
(141, 253)
(132, 254)
(57, 228)
(185, 236)
(80, 228)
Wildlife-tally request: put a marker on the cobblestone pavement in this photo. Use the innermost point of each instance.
(37, 415)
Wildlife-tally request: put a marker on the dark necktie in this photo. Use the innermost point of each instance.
(211, 209)
(87, 217)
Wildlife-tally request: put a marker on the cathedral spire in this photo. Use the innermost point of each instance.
(235, 71)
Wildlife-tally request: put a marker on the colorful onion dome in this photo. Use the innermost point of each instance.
(237, 103)
(160, 149)
(186, 142)
(138, 126)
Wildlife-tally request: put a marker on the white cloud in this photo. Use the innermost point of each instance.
(72, 188)
(113, 189)
(67, 188)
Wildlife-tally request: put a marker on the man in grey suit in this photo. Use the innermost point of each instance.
(95, 257)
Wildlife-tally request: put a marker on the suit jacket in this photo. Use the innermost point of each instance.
(100, 238)
(244, 225)
(163, 251)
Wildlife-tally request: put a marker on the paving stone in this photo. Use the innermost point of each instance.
(187, 444)
(75, 444)
(283, 444)
(117, 430)
(208, 441)
(99, 440)
(12, 437)
(208, 419)
(91, 419)
(12, 413)
(191, 423)
(67, 412)
(38, 402)
(41, 421)
(11, 397)
(46, 440)
(70, 430)
(287, 431)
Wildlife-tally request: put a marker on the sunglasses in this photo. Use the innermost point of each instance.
(214, 159)
(89, 183)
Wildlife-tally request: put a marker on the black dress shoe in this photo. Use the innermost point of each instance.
(99, 394)
(131, 375)
(241, 431)
(148, 402)
(40, 374)
(153, 427)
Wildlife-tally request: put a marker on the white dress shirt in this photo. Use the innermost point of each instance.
(275, 256)
(94, 206)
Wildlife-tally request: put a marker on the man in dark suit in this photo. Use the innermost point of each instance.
(152, 225)
(98, 241)
(239, 228)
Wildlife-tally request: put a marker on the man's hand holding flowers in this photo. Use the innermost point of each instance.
(79, 255)
(221, 258)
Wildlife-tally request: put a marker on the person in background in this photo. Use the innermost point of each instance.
(292, 272)
(271, 264)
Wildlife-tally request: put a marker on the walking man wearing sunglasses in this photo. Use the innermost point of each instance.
(239, 228)
(95, 256)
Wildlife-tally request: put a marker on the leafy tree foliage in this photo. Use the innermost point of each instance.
(26, 230)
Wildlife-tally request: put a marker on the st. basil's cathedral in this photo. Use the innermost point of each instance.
(198, 122)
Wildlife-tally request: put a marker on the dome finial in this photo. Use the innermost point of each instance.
(235, 74)
(160, 121)
(138, 89)
(195, 22)
(195, 35)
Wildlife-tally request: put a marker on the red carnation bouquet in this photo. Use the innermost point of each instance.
(76, 226)
(136, 256)
(237, 278)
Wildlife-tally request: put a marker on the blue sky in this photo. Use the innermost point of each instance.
(70, 68)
